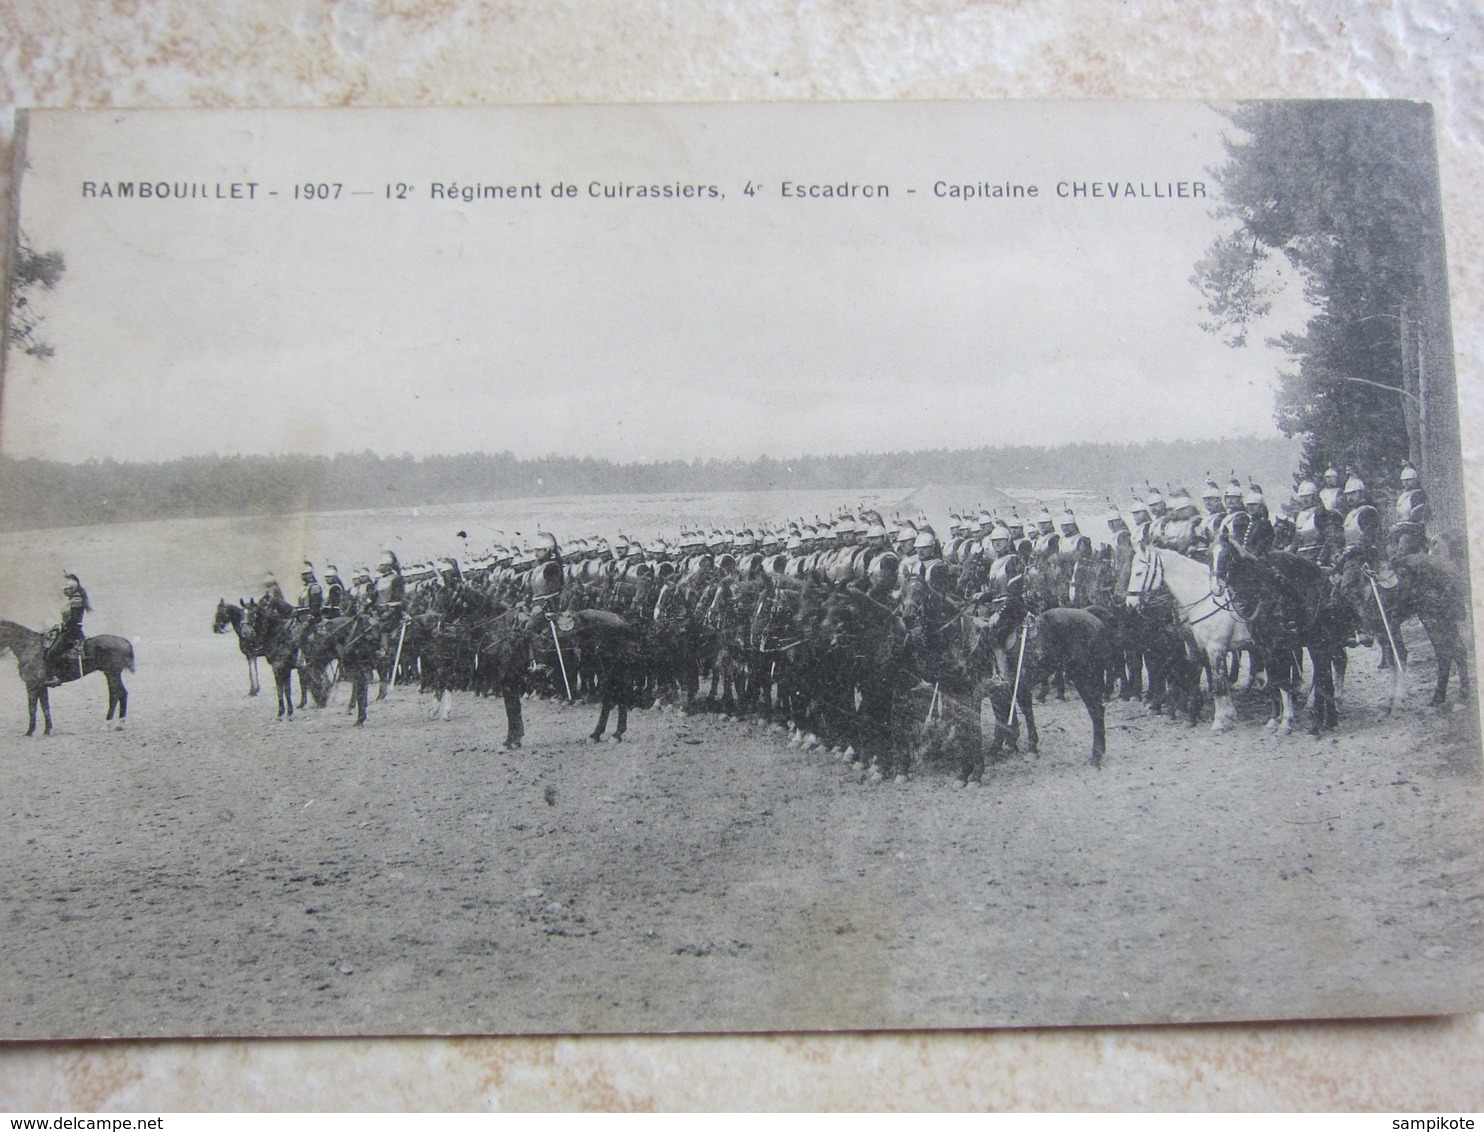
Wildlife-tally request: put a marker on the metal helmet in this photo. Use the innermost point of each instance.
(1068, 523)
(1307, 490)
(1409, 474)
(1355, 485)
(1232, 496)
(999, 539)
(1332, 476)
(1253, 495)
(1211, 490)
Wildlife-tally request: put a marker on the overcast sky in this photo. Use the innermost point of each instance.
(634, 329)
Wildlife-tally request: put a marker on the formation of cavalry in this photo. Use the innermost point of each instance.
(884, 642)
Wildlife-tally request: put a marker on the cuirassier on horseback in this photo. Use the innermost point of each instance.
(63, 654)
(64, 640)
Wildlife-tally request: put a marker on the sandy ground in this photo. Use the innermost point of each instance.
(208, 870)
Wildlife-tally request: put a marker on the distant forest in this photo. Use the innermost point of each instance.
(44, 493)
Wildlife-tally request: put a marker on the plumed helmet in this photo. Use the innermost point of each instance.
(388, 562)
(1000, 534)
(1156, 501)
(1253, 495)
(1354, 485)
(1069, 522)
(1044, 519)
(1307, 489)
(308, 570)
(361, 574)
(795, 542)
(1332, 476)
(1181, 500)
(925, 541)
(1211, 490)
(1139, 507)
(1409, 473)
(905, 533)
(1016, 525)
(1233, 493)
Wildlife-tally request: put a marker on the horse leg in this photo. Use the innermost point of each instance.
(608, 700)
(33, 697)
(515, 729)
(1088, 686)
(1222, 714)
(46, 710)
(252, 676)
(445, 699)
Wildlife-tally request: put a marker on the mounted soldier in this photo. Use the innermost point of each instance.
(1181, 528)
(67, 635)
(1329, 494)
(1409, 533)
(1260, 534)
(1362, 523)
(335, 602)
(1311, 525)
(1005, 593)
(1076, 562)
(1159, 512)
(1142, 527)
(311, 597)
(1214, 511)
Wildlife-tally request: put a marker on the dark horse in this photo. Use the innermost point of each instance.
(1428, 587)
(236, 616)
(106, 654)
(1288, 606)
(1073, 641)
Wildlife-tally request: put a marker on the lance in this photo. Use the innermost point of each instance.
(397, 660)
(562, 663)
(1396, 657)
(1019, 665)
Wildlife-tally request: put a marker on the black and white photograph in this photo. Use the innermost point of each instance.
(733, 568)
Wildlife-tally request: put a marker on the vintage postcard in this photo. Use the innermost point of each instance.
(732, 568)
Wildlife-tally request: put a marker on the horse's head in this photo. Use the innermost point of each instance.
(1143, 575)
(223, 617)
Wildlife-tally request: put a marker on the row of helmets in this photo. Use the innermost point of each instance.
(908, 535)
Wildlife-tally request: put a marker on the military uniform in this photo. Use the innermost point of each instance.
(68, 632)
(1409, 532)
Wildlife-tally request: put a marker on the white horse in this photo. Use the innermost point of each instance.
(1205, 616)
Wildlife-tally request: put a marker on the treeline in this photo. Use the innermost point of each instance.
(44, 493)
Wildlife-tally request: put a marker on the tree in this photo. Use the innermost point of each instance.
(1347, 193)
(32, 272)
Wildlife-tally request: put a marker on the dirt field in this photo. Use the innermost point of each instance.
(206, 869)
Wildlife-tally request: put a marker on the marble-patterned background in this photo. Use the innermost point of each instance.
(147, 53)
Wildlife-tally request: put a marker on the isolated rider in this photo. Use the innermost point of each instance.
(69, 632)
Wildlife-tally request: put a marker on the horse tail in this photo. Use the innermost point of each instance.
(129, 657)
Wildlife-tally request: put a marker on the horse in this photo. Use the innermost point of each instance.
(236, 616)
(611, 645)
(1289, 606)
(107, 654)
(354, 641)
(278, 641)
(948, 650)
(865, 639)
(502, 665)
(1206, 619)
(1072, 641)
(1428, 587)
